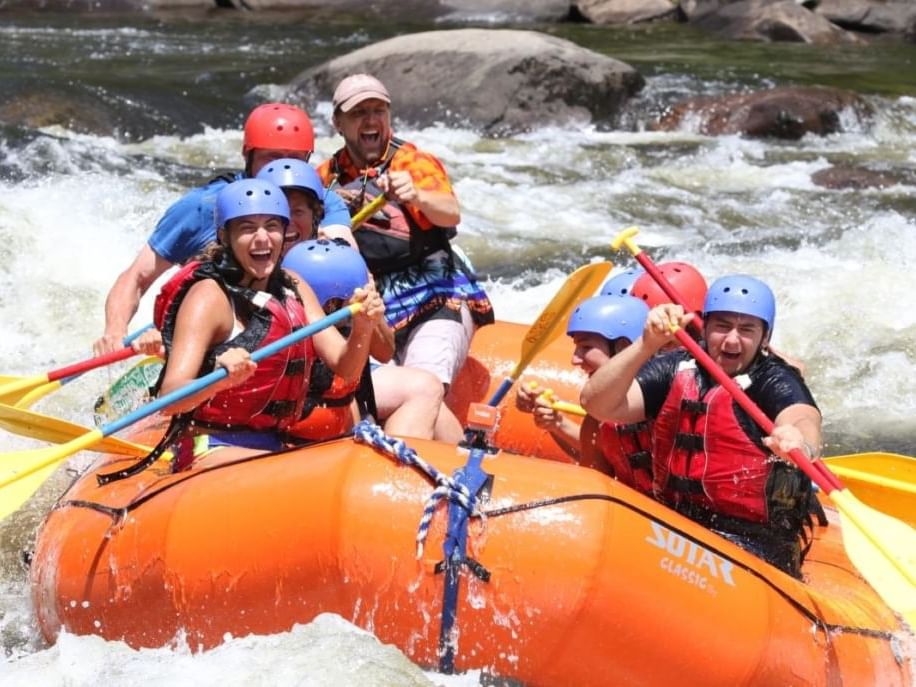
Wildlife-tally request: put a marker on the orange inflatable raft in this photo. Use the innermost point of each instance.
(570, 577)
(580, 581)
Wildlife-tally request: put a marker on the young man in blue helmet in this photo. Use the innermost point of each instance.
(600, 328)
(710, 460)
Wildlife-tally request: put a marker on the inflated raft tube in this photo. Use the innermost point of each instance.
(569, 577)
(495, 350)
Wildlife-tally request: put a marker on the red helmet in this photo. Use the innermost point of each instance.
(278, 126)
(686, 280)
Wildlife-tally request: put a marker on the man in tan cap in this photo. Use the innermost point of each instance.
(432, 298)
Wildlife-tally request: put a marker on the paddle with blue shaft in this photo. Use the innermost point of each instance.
(882, 548)
(24, 391)
(579, 285)
(22, 472)
(28, 423)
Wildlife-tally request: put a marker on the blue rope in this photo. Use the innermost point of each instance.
(367, 432)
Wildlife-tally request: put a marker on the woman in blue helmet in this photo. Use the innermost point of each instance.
(305, 194)
(408, 401)
(233, 300)
(710, 460)
(600, 328)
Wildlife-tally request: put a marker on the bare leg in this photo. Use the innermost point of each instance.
(448, 428)
(408, 400)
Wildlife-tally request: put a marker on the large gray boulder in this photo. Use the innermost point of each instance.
(497, 81)
(771, 20)
(624, 11)
(869, 16)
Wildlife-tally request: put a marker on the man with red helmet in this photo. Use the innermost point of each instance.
(272, 131)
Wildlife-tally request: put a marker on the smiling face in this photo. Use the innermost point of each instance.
(591, 352)
(302, 217)
(365, 130)
(256, 242)
(733, 340)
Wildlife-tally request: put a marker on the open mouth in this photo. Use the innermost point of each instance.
(370, 138)
(260, 257)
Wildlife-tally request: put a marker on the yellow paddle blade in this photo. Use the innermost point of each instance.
(580, 285)
(884, 551)
(28, 423)
(15, 494)
(20, 470)
(37, 394)
(884, 481)
(14, 388)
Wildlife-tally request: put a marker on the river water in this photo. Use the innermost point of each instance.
(75, 207)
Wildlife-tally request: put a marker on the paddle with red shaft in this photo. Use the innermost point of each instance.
(625, 238)
(882, 548)
(886, 481)
(23, 472)
(552, 321)
(20, 391)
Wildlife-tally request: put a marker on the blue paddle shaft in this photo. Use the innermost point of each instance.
(130, 337)
(501, 392)
(220, 373)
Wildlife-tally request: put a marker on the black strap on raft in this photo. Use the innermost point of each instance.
(472, 476)
(176, 426)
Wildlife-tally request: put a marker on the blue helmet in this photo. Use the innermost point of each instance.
(250, 197)
(742, 294)
(621, 284)
(333, 270)
(612, 317)
(289, 173)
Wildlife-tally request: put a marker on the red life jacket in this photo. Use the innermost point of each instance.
(702, 455)
(272, 398)
(328, 407)
(625, 447)
(391, 240)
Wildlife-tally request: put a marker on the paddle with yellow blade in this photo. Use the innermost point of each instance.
(882, 548)
(548, 396)
(886, 481)
(22, 392)
(28, 423)
(23, 472)
(552, 321)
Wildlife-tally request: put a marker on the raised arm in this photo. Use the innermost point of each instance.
(124, 297)
(345, 357)
(612, 392)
